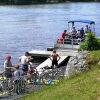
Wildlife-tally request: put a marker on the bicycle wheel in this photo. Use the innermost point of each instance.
(11, 85)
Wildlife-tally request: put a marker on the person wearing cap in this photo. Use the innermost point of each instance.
(8, 67)
(54, 58)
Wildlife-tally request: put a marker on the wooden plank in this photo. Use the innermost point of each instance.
(40, 53)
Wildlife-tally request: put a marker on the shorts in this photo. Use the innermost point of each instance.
(24, 67)
(54, 62)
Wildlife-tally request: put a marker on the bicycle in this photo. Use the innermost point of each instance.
(51, 74)
(9, 85)
(20, 85)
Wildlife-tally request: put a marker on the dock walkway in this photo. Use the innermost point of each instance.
(61, 52)
(64, 54)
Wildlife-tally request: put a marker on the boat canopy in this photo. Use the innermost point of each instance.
(82, 21)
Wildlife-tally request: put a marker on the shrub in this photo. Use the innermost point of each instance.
(91, 43)
(83, 46)
(93, 57)
(98, 41)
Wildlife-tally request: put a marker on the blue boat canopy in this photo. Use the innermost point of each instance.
(82, 21)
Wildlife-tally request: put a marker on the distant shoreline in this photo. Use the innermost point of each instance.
(49, 2)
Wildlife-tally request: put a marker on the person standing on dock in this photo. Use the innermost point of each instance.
(54, 58)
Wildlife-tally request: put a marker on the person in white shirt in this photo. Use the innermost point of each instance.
(74, 31)
(87, 29)
(25, 62)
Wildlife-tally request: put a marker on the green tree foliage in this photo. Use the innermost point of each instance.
(22, 2)
(91, 43)
(62, 0)
(15, 1)
(81, 0)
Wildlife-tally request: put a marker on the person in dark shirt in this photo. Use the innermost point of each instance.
(82, 32)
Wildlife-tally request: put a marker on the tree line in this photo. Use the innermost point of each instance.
(23, 2)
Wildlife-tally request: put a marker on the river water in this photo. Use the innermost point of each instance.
(24, 28)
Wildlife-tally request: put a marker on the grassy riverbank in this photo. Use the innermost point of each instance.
(83, 86)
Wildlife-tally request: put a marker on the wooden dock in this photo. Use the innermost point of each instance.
(64, 54)
(61, 52)
(48, 63)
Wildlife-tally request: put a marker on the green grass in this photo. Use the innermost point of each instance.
(83, 86)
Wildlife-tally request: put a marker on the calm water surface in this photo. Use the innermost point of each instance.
(24, 28)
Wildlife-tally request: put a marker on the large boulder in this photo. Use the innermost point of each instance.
(76, 64)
